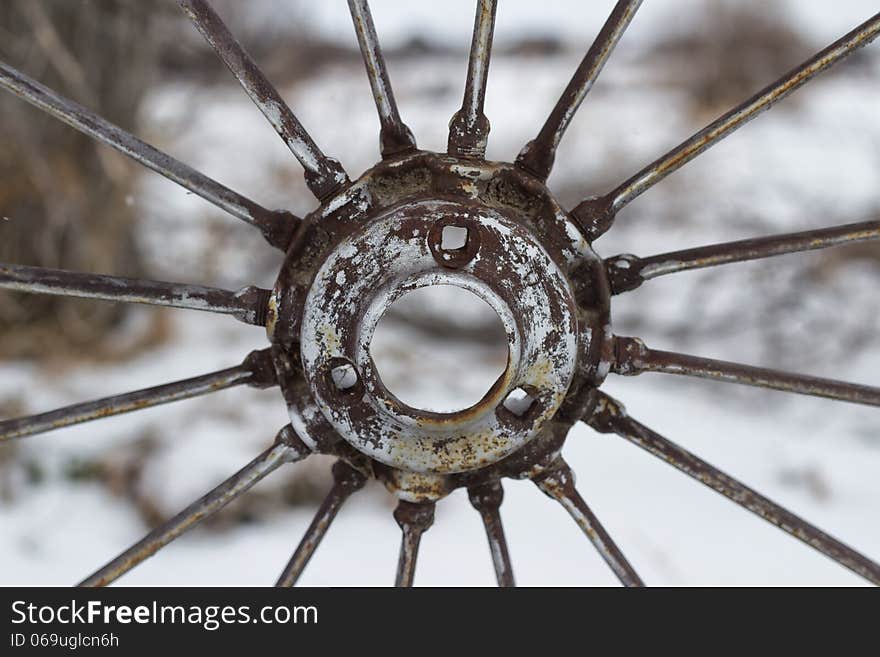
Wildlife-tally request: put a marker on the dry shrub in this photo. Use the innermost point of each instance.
(65, 201)
(741, 47)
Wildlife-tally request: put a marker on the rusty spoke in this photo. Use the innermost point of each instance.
(633, 357)
(469, 128)
(626, 272)
(277, 227)
(324, 175)
(414, 520)
(538, 155)
(596, 215)
(288, 448)
(346, 480)
(557, 482)
(421, 218)
(256, 370)
(610, 417)
(247, 305)
(394, 135)
(486, 499)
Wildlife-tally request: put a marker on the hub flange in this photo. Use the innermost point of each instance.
(426, 219)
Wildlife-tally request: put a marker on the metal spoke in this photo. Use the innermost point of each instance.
(394, 135)
(247, 305)
(277, 227)
(610, 417)
(632, 357)
(256, 370)
(538, 155)
(558, 483)
(469, 128)
(346, 480)
(324, 175)
(288, 448)
(414, 520)
(597, 214)
(627, 272)
(486, 499)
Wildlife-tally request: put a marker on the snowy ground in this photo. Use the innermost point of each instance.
(811, 162)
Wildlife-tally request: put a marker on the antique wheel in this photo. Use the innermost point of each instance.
(418, 219)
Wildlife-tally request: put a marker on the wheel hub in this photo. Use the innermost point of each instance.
(421, 220)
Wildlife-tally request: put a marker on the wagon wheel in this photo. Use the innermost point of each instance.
(420, 218)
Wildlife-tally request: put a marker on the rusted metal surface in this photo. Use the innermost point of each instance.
(248, 305)
(288, 448)
(414, 520)
(346, 480)
(256, 370)
(558, 483)
(610, 417)
(486, 499)
(626, 272)
(596, 215)
(394, 135)
(375, 239)
(382, 238)
(469, 128)
(277, 227)
(538, 155)
(634, 357)
(324, 175)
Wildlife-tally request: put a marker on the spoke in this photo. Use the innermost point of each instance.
(288, 448)
(346, 480)
(627, 272)
(611, 417)
(469, 128)
(414, 520)
(324, 175)
(247, 305)
(597, 214)
(486, 499)
(277, 227)
(538, 155)
(558, 483)
(394, 135)
(256, 370)
(633, 357)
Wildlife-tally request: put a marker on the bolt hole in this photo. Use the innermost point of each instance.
(519, 402)
(344, 376)
(453, 238)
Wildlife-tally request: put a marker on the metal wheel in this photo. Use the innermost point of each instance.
(420, 218)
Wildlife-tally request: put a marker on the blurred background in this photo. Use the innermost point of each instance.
(71, 500)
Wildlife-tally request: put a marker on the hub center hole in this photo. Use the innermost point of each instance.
(440, 348)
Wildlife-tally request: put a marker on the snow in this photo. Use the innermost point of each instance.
(811, 162)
